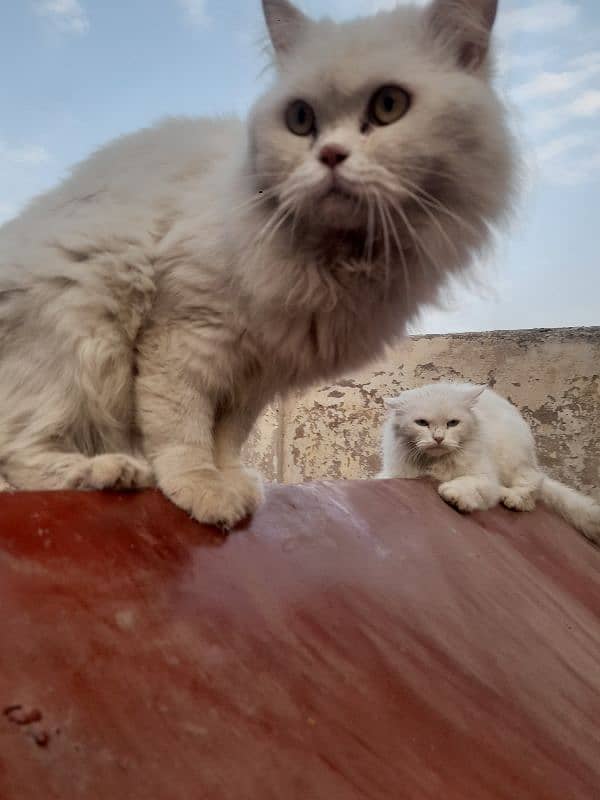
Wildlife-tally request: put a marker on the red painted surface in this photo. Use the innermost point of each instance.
(359, 641)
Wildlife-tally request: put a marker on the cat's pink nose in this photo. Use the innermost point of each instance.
(439, 439)
(332, 155)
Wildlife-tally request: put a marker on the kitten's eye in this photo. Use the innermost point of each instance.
(452, 423)
(422, 422)
(388, 104)
(300, 118)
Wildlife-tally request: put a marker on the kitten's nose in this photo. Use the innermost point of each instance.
(439, 439)
(333, 154)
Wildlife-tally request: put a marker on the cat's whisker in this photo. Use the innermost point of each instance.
(430, 200)
(386, 243)
(434, 220)
(285, 211)
(256, 200)
(370, 225)
(385, 223)
(401, 254)
(429, 172)
(262, 237)
(417, 240)
(295, 217)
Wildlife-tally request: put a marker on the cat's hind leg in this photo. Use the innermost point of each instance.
(46, 470)
(523, 491)
(471, 492)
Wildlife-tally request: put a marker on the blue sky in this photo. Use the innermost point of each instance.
(79, 72)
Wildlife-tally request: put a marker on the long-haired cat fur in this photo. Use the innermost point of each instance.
(152, 304)
(480, 449)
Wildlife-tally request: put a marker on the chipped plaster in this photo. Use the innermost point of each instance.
(552, 375)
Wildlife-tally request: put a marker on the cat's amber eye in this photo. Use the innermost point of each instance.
(452, 423)
(388, 105)
(300, 118)
(422, 422)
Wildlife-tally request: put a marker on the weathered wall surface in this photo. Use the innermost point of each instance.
(551, 375)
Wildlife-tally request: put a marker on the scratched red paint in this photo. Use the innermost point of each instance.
(357, 641)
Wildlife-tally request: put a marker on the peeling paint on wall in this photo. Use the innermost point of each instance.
(551, 375)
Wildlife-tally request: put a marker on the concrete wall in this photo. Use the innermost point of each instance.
(551, 375)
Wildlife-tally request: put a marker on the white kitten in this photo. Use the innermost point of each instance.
(155, 302)
(481, 450)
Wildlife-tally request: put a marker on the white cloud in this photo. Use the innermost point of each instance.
(519, 60)
(585, 60)
(542, 16)
(30, 155)
(587, 104)
(68, 16)
(559, 146)
(545, 84)
(381, 5)
(571, 159)
(195, 11)
(344, 9)
(7, 211)
(583, 168)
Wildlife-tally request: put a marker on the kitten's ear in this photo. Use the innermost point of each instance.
(465, 27)
(473, 393)
(286, 25)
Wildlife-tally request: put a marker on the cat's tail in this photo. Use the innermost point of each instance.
(579, 510)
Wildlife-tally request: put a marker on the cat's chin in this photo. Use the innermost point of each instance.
(339, 210)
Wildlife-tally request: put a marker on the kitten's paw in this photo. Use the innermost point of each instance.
(111, 471)
(462, 498)
(518, 501)
(214, 497)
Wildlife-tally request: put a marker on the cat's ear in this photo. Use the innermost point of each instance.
(465, 27)
(473, 393)
(392, 403)
(286, 25)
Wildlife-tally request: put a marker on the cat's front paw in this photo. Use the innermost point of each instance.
(215, 497)
(249, 485)
(465, 499)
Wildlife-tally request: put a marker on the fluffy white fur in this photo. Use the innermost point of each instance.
(480, 449)
(152, 304)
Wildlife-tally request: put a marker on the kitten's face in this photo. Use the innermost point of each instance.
(373, 127)
(435, 420)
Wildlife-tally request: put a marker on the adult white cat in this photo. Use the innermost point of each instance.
(480, 448)
(182, 276)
